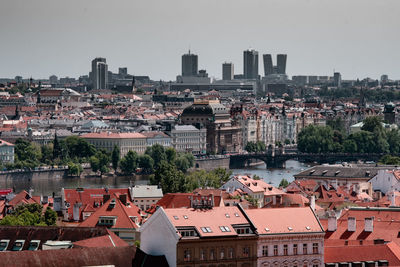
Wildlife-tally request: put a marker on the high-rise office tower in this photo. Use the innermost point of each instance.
(281, 63)
(250, 64)
(99, 74)
(337, 79)
(122, 71)
(268, 66)
(189, 65)
(227, 71)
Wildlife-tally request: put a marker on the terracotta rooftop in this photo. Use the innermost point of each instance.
(110, 135)
(284, 220)
(212, 219)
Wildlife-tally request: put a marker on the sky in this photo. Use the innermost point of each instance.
(359, 38)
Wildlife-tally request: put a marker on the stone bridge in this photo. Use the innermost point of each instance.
(277, 159)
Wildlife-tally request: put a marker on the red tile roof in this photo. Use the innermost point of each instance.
(284, 220)
(182, 200)
(389, 252)
(103, 135)
(109, 240)
(212, 218)
(119, 257)
(91, 198)
(121, 211)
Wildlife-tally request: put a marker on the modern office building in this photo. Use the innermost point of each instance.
(99, 73)
(250, 64)
(227, 71)
(281, 63)
(268, 66)
(189, 65)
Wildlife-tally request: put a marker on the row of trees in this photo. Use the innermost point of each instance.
(255, 146)
(373, 138)
(373, 95)
(30, 215)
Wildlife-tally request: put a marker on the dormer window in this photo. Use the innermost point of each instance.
(4, 244)
(34, 245)
(107, 221)
(312, 171)
(18, 245)
(324, 172)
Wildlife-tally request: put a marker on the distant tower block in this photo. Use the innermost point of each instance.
(281, 63)
(227, 71)
(250, 64)
(268, 66)
(189, 65)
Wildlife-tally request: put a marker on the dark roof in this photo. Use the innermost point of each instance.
(360, 171)
(119, 256)
(44, 233)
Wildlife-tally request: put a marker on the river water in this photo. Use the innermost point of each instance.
(47, 186)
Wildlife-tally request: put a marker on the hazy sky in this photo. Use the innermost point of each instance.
(359, 38)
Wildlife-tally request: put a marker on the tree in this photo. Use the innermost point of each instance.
(393, 139)
(336, 124)
(74, 169)
(56, 147)
(184, 162)
(170, 179)
(390, 160)
(128, 163)
(27, 154)
(50, 216)
(284, 183)
(157, 153)
(30, 215)
(372, 123)
(115, 157)
(170, 152)
(47, 154)
(146, 163)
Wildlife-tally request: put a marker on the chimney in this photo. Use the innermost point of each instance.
(368, 224)
(212, 200)
(312, 202)
(332, 223)
(106, 197)
(351, 224)
(122, 198)
(30, 192)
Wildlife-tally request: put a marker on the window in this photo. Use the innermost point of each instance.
(227, 215)
(203, 253)
(186, 255)
(212, 254)
(246, 252)
(265, 251)
(285, 250)
(231, 253)
(224, 229)
(222, 253)
(305, 249)
(295, 249)
(242, 231)
(315, 248)
(275, 250)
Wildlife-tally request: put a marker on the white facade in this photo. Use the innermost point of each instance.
(187, 138)
(232, 184)
(386, 181)
(159, 237)
(144, 196)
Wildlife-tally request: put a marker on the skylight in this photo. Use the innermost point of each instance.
(290, 228)
(237, 215)
(224, 229)
(266, 229)
(206, 229)
(308, 227)
(227, 215)
(185, 217)
(176, 218)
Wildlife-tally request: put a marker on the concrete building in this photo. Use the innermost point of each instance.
(125, 141)
(187, 138)
(99, 73)
(189, 65)
(227, 71)
(250, 64)
(6, 152)
(281, 63)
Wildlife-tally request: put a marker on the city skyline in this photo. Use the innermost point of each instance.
(358, 39)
